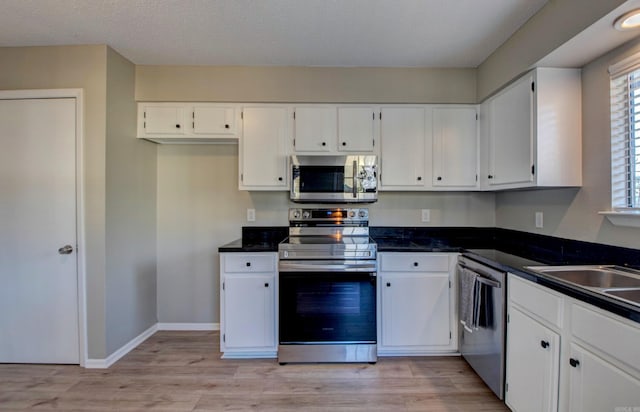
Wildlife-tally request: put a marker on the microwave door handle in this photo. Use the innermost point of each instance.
(355, 169)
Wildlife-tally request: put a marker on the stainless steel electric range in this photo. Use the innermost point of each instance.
(327, 287)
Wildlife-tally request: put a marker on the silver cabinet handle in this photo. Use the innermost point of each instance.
(65, 250)
(355, 181)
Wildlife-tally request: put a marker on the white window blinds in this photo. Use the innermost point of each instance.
(625, 135)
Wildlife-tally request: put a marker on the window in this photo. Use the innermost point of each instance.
(625, 135)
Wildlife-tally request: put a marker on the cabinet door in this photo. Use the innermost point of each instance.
(511, 135)
(355, 129)
(532, 364)
(212, 120)
(596, 385)
(455, 147)
(315, 129)
(249, 311)
(263, 161)
(415, 309)
(402, 139)
(165, 119)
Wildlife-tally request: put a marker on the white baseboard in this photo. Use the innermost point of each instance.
(188, 326)
(115, 356)
(128, 347)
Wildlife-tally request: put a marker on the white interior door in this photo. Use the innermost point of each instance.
(39, 292)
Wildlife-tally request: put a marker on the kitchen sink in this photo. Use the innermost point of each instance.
(617, 282)
(595, 277)
(631, 295)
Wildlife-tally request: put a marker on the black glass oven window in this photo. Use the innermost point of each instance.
(322, 179)
(340, 298)
(327, 307)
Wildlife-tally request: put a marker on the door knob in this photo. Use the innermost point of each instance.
(65, 250)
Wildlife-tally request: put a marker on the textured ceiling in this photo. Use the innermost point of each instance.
(376, 33)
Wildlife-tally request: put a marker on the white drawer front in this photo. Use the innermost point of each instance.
(242, 262)
(536, 300)
(617, 339)
(414, 262)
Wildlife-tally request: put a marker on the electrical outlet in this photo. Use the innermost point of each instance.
(426, 215)
(251, 215)
(539, 220)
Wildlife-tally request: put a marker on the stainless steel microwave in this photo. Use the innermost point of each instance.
(334, 179)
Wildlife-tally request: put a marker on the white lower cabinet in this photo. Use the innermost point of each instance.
(597, 385)
(415, 304)
(589, 361)
(248, 305)
(603, 365)
(533, 363)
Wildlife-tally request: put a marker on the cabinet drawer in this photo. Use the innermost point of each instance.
(414, 262)
(249, 262)
(617, 339)
(536, 299)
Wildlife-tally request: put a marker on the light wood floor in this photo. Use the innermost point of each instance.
(182, 371)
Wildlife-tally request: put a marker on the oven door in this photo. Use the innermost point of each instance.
(327, 307)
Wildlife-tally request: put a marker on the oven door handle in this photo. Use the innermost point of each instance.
(326, 266)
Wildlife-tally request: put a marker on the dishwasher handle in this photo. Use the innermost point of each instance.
(481, 278)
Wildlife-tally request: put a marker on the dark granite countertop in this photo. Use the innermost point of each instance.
(257, 239)
(416, 245)
(517, 265)
(240, 245)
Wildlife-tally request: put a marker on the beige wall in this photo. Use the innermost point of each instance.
(199, 209)
(557, 22)
(572, 213)
(130, 282)
(305, 84)
(76, 67)
(119, 179)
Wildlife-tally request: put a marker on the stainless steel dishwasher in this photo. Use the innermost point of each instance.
(482, 335)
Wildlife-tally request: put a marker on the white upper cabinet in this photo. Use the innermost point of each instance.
(331, 129)
(455, 147)
(162, 119)
(532, 136)
(212, 120)
(403, 132)
(264, 148)
(511, 135)
(356, 129)
(429, 147)
(188, 122)
(315, 129)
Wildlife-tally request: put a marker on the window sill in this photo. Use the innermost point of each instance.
(623, 218)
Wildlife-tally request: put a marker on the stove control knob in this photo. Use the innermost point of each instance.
(306, 214)
(362, 213)
(296, 214)
(352, 213)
